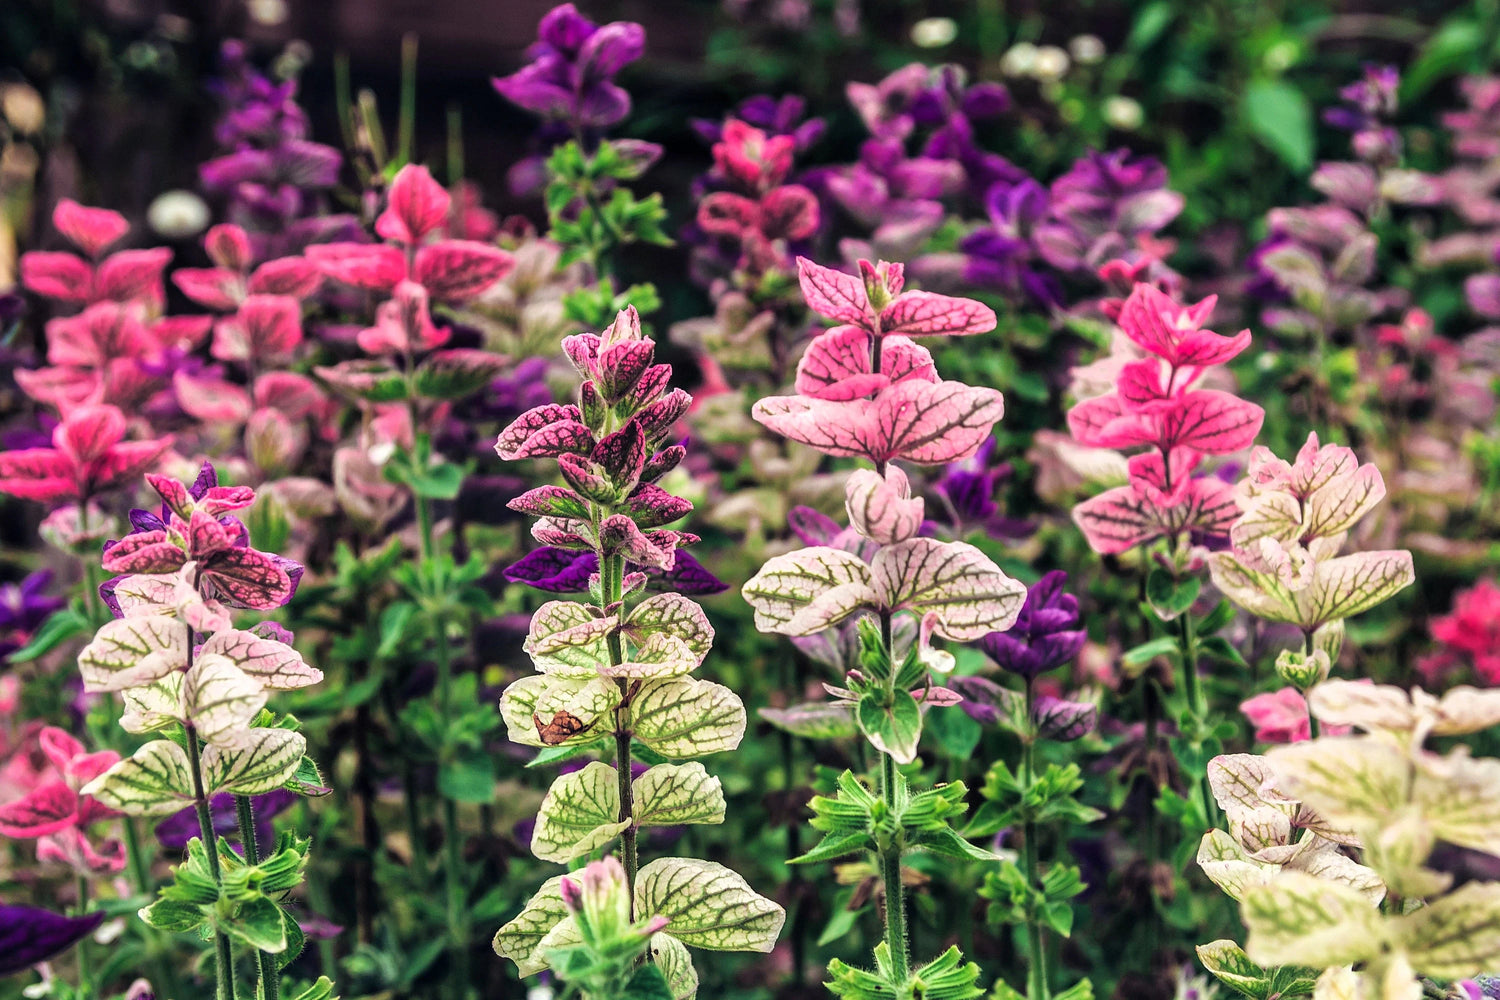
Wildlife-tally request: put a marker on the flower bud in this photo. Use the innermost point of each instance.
(1301, 670)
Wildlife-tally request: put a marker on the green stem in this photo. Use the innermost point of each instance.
(612, 577)
(140, 873)
(223, 957)
(896, 934)
(270, 976)
(1036, 945)
(1197, 709)
(85, 965)
(453, 858)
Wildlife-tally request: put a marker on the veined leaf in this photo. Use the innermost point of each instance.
(1301, 920)
(674, 794)
(130, 651)
(671, 957)
(154, 780)
(686, 717)
(220, 700)
(262, 761)
(580, 814)
(519, 939)
(787, 584)
(708, 905)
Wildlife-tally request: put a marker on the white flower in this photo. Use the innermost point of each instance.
(1124, 113)
(178, 215)
(934, 32)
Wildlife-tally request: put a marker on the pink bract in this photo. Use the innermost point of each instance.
(89, 455)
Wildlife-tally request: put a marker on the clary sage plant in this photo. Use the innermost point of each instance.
(614, 675)
(865, 389)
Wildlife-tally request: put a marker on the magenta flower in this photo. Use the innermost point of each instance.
(1469, 634)
(768, 214)
(865, 388)
(411, 267)
(1156, 406)
(89, 455)
(1281, 717)
(125, 276)
(572, 69)
(1046, 634)
(54, 814)
(215, 550)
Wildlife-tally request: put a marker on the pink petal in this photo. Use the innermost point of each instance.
(416, 206)
(206, 536)
(272, 326)
(92, 230)
(789, 212)
(882, 508)
(724, 213)
(173, 493)
(182, 332)
(133, 275)
(249, 578)
(127, 461)
(1116, 520)
(295, 395)
(211, 287)
(924, 422)
(1211, 421)
(925, 314)
(834, 294)
(557, 427)
(37, 474)
(63, 276)
(144, 552)
(1149, 474)
(101, 333)
(1202, 348)
(458, 270)
(298, 277)
(63, 388)
(59, 747)
(211, 399)
(85, 767)
(1103, 422)
(89, 432)
(44, 810)
(363, 265)
(229, 247)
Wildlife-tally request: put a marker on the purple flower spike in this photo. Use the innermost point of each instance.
(1044, 636)
(572, 69)
(969, 487)
(29, 935)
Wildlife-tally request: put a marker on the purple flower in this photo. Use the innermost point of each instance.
(571, 73)
(23, 608)
(29, 935)
(176, 830)
(564, 571)
(1102, 209)
(968, 491)
(1045, 635)
(272, 174)
(1369, 100)
(773, 117)
(1002, 255)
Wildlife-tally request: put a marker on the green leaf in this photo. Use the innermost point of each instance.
(815, 720)
(320, 990)
(580, 814)
(671, 957)
(1171, 598)
(949, 844)
(685, 717)
(266, 760)
(648, 983)
(173, 916)
(468, 779)
(708, 905)
(258, 923)
(1447, 51)
(59, 627)
(1457, 935)
(677, 794)
(155, 780)
(896, 729)
(1140, 656)
(1278, 114)
(1232, 967)
(1219, 647)
(520, 939)
(1303, 920)
(455, 374)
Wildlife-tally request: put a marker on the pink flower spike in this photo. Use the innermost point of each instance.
(92, 230)
(417, 205)
(1151, 319)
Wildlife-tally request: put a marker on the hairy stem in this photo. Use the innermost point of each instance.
(269, 975)
(85, 964)
(453, 858)
(223, 957)
(896, 935)
(1197, 709)
(1036, 945)
(612, 575)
